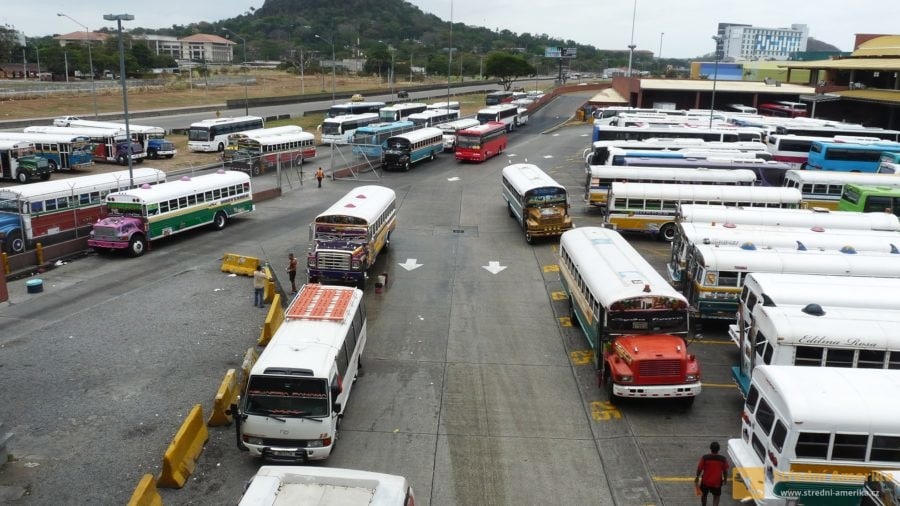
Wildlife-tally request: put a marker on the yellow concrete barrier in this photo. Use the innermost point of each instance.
(239, 264)
(225, 396)
(145, 494)
(182, 453)
(274, 319)
(269, 289)
(249, 359)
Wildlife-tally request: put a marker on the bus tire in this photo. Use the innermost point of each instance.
(220, 220)
(221, 147)
(15, 243)
(361, 284)
(45, 177)
(608, 386)
(667, 232)
(170, 156)
(122, 160)
(432, 156)
(151, 153)
(298, 161)
(137, 246)
(686, 402)
(22, 177)
(53, 166)
(528, 237)
(406, 166)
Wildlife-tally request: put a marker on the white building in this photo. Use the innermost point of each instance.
(745, 42)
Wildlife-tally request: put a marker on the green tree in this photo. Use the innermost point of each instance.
(506, 68)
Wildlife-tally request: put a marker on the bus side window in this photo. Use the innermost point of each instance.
(342, 360)
(876, 203)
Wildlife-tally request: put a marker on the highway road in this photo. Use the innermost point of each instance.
(473, 386)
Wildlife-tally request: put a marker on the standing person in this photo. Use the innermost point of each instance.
(320, 175)
(292, 271)
(259, 283)
(712, 473)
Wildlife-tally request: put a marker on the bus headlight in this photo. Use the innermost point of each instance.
(690, 377)
(355, 264)
(311, 261)
(253, 440)
(626, 379)
(318, 443)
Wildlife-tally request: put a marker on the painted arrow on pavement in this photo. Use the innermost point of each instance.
(493, 267)
(410, 264)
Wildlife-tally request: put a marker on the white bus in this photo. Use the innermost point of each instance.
(212, 134)
(535, 200)
(260, 151)
(354, 108)
(340, 129)
(716, 133)
(811, 430)
(399, 111)
(433, 117)
(348, 236)
(53, 211)
(444, 105)
(451, 128)
(598, 153)
(728, 234)
(403, 150)
(630, 316)
(316, 485)
(141, 215)
(508, 114)
(601, 177)
(300, 384)
(788, 217)
(152, 138)
(818, 335)
(716, 273)
(651, 207)
(882, 489)
(63, 152)
(776, 290)
(823, 188)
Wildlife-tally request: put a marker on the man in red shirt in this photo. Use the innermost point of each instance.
(712, 473)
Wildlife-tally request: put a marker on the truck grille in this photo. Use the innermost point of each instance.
(333, 261)
(104, 232)
(660, 368)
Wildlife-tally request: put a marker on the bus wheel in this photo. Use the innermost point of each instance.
(170, 156)
(608, 387)
(122, 160)
(361, 284)
(45, 177)
(151, 153)
(22, 177)
(298, 161)
(14, 243)
(686, 402)
(221, 147)
(667, 232)
(406, 167)
(220, 220)
(53, 166)
(432, 156)
(528, 237)
(137, 246)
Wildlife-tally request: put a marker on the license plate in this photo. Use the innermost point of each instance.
(639, 325)
(284, 453)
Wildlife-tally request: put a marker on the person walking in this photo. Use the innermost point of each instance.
(320, 175)
(712, 474)
(292, 271)
(259, 284)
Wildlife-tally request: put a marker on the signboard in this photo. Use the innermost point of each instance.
(559, 52)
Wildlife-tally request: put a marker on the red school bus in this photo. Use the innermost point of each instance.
(481, 142)
(783, 109)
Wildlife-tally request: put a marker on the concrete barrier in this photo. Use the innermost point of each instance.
(146, 494)
(269, 290)
(225, 396)
(239, 264)
(181, 455)
(274, 319)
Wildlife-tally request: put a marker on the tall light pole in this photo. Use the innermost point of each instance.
(37, 51)
(243, 43)
(118, 18)
(450, 53)
(632, 46)
(712, 101)
(330, 41)
(659, 55)
(87, 38)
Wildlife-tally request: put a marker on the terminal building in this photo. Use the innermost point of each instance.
(745, 42)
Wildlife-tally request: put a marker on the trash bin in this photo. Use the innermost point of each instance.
(579, 114)
(35, 285)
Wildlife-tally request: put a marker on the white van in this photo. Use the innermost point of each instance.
(325, 486)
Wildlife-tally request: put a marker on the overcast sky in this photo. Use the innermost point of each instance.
(687, 25)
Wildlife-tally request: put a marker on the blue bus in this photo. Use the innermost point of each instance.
(367, 140)
(617, 156)
(848, 156)
(401, 151)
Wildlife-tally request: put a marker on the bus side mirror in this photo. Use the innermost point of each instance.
(336, 407)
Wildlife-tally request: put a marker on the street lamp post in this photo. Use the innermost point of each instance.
(659, 55)
(631, 46)
(330, 41)
(118, 18)
(90, 58)
(243, 43)
(37, 51)
(712, 101)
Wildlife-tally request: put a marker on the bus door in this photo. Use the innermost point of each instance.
(5, 166)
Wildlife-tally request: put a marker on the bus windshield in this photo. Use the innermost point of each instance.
(540, 197)
(287, 396)
(198, 134)
(648, 313)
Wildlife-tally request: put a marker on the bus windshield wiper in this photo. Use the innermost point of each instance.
(276, 418)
